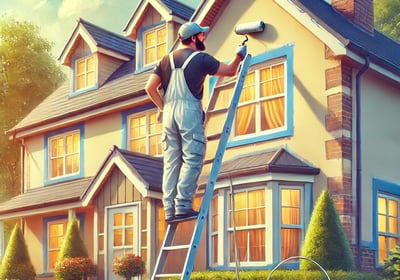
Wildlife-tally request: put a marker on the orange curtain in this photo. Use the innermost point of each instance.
(273, 109)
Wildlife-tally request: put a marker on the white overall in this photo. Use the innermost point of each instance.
(183, 142)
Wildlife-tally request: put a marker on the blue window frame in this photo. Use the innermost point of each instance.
(265, 109)
(386, 218)
(63, 151)
(84, 73)
(52, 240)
(152, 42)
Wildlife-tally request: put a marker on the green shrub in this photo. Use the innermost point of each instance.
(73, 245)
(16, 262)
(325, 241)
(73, 259)
(391, 268)
(282, 274)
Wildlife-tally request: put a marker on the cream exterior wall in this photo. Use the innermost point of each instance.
(100, 135)
(309, 95)
(380, 141)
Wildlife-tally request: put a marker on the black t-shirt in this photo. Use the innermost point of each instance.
(195, 72)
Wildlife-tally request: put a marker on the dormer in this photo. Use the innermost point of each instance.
(93, 54)
(154, 25)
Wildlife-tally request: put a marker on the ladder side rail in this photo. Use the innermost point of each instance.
(162, 255)
(215, 169)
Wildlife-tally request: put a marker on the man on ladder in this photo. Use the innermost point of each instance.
(181, 75)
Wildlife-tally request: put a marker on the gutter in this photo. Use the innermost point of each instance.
(358, 159)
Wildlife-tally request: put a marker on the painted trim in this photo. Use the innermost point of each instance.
(284, 51)
(124, 118)
(73, 63)
(272, 192)
(139, 47)
(46, 179)
(79, 216)
(379, 185)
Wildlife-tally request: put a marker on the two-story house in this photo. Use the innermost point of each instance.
(318, 110)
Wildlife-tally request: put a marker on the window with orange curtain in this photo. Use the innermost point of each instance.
(144, 133)
(261, 107)
(85, 72)
(249, 214)
(291, 225)
(388, 225)
(155, 44)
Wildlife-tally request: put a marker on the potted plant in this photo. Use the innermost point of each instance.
(128, 266)
(74, 269)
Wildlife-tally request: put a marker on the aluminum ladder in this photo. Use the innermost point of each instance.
(191, 249)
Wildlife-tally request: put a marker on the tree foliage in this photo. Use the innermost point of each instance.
(73, 245)
(387, 18)
(325, 241)
(28, 73)
(17, 263)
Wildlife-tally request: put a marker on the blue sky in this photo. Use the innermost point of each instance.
(57, 19)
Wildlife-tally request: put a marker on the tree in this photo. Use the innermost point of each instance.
(28, 73)
(387, 18)
(17, 263)
(325, 241)
(73, 245)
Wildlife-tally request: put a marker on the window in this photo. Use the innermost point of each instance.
(261, 106)
(155, 44)
(291, 224)
(85, 73)
(55, 237)
(144, 134)
(388, 225)
(64, 154)
(264, 217)
(250, 223)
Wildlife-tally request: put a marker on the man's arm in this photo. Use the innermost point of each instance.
(231, 68)
(153, 83)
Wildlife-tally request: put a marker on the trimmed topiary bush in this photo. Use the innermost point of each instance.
(74, 262)
(73, 245)
(391, 268)
(325, 241)
(16, 262)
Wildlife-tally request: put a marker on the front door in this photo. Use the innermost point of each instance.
(122, 234)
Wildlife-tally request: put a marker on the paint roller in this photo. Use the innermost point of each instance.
(249, 27)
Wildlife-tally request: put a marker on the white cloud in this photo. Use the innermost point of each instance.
(76, 8)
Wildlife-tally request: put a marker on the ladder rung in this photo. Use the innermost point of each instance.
(166, 275)
(176, 247)
(214, 136)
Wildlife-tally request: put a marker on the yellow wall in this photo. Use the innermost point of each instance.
(33, 234)
(100, 135)
(309, 107)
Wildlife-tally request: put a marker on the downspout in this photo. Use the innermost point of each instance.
(358, 158)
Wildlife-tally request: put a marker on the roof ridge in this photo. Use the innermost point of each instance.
(85, 22)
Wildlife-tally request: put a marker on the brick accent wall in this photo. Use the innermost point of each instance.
(367, 258)
(338, 120)
(361, 12)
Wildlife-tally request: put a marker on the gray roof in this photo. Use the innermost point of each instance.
(110, 40)
(41, 197)
(275, 161)
(179, 8)
(60, 104)
(149, 168)
(381, 48)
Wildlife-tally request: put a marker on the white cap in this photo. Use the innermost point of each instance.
(189, 29)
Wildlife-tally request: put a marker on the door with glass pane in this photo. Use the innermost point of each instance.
(122, 234)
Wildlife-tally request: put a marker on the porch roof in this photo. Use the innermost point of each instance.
(144, 170)
(46, 196)
(278, 160)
